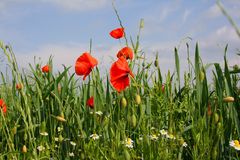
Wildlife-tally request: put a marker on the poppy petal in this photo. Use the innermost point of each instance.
(117, 33)
(86, 57)
(125, 52)
(121, 83)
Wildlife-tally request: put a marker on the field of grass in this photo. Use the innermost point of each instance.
(50, 115)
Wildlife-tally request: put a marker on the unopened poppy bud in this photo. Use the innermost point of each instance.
(228, 99)
(24, 149)
(123, 102)
(163, 88)
(133, 120)
(209, 110)
(201, 76)
(216, 118)
(156, 63)
(60, 138)
(14, 130)
(138, 99)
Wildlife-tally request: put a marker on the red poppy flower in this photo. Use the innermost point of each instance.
(119, 74)
(85, 64)
(19, 86)
(45, 69)
(126, 52)
(3, 106)
(90, 102)
(117, 33)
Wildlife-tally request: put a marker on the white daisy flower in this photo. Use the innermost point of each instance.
(56, 139)
(71, 154)
(170, 136)
(73, 143)
(40, 148)
(59, 129)
(94, 136)
(163, 132)
(184, 144)
(128, 142)
(154, 137)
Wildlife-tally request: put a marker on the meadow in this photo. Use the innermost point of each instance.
(133, 113)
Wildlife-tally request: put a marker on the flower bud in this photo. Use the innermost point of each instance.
(24, 149)
(228, 99)
(133, 120)
(123, 102)
(138, 99)
(216, 118)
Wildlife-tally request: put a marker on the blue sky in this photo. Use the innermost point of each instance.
(64, 28)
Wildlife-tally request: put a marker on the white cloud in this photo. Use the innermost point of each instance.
(72, 5)
(213, 12)
(79, 5)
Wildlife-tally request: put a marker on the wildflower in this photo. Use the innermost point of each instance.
(59, 129)
(56, 139)
(94, 136)
(90, 102)
(163, 132)
(154, 137)
(184, 144)
(73, 143)
(119, 74)
(45, 69)
(99, 113)
(170, 136)
(19, 86)
(125, 52)
(117, 33)
(3, 106)
(44, 133)
(24, 149)
(71, 154)
(128, 142)
(228, 99)
(40, 148)
(235, 144)
(84, 64)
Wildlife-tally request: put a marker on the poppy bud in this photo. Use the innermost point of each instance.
(14, 130)
(216, 118)
(133, 120)
(123, 102)
(201, 76)
(209, 110)
(138, 99)
(228, 99)
(24, 149)
(19, 86)
(60, 138)
(163, 88)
